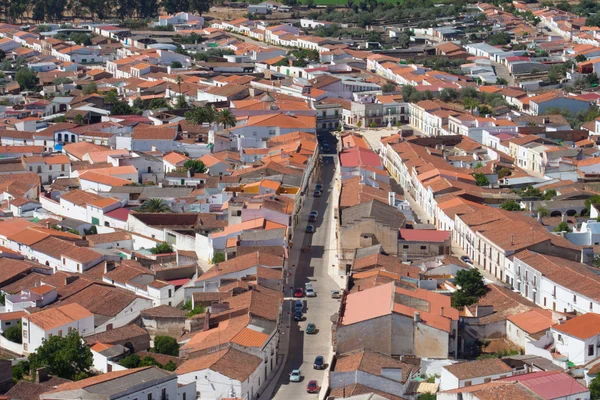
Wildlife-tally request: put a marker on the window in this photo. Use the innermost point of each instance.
(25, 346)
(467, 383)
(169, 293)
(591, 306)
(64, 261)
(405, 246)
(544, 302)
(590, 350)
(50, 167)
(149, 396)
(24, 333)
(60, 333)
(423, 247)
(575, 299)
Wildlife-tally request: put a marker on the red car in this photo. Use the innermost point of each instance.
(312, 387)
(298, 292)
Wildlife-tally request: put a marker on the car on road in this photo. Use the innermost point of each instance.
(466, 259)
(311, 328)
(299, 306)
(319, 363)
(312, 217)
(319, 186)
(308, 285)
(335, 294)
(295, 375)
(298, 292)
(318, 193)
(312, 387)
(310, 229)
(326, 147)
(298, 316)
(310, 293)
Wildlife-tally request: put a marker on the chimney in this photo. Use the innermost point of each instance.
(206, 325)
(539, 217)
(512, 239)
(109, 266)
(358, 288)
(417, 316)
(41, 375)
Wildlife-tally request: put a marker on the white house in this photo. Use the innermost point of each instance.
(228, 373)
(57, 321)
(578, 338)
(473, 373)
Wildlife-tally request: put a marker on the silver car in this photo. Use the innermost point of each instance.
(310, 292)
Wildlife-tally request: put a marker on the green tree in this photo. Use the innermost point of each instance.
(121, 108)
(403, 40)
(22, 368)
(225, 118)
(218, 257)
(549, 194)
(196, 166)
(595, 199)
(562, 227)
(481, 179)
(530, 191)
(176, 64)
(166, 345)
(170, 366)
(470, 288)
(26, 78)
(155, 206)
(201, 115)
(499, 39)
(149, 362)
(90, 88)
(470, 103)
(427, 396)
(78, 119)
(14, 333)
(162, 248)
(543, 211)
(111, 97)
(448, 94)
(388, 87)
(67, 357)
(510, 205)
(580, 58)
(594, 388)
(132, 361)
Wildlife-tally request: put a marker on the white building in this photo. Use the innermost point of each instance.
(57, 321)
(473, 373)
(578, 339)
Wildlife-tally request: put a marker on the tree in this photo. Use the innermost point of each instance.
(580, 58)
(470, 288)
(549, 194)
(121, 108)
(166, 345)
(595, 199)
(26, 78)
(543, 211)
(510, 205)
(562, 227)
(594, 388)
(67, 357)
(155, 206)
(90, 88)
(427, 396)
(14, 333)
(176, 64)
(403, 40)
(470, 103)
(201, 115)
(78, 119)
(162, 248)
(481, 179)
(499, 39)
(226, 118)
(218, 257)
(62, 118)
(388, 87)
(132, 361)
(196, 166)
(111, 97)
(448, 94)
(170, 366)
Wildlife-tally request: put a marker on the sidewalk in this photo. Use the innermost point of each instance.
(333, 249)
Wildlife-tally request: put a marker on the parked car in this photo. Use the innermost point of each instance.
(310, 293)
(466, 259)
(298, 292)
(312, 217)
(311, 328)
(335, 294)
(298, 316)
(298, 306)
(310, 229)
(295, 376)
(319, 186)
(312, 387)
(319, 363)
(326, 147)
(318, 193)
(308, 285)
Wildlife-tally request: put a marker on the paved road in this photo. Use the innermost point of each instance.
(312, 267)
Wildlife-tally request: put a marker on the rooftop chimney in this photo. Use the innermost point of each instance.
(417, 316)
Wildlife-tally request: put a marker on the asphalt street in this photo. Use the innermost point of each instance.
(312, 267)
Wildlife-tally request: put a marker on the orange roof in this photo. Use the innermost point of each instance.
(174, 158)
(252, 224)
(250, 338)
(104, 179)
(56, 317)
(101, 203)
(582, 327)
(99, 347)
(9, 316)
(41, 290)
(533, 321)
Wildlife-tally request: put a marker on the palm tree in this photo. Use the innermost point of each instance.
(155, 206)
(201, 115)
(226, 118)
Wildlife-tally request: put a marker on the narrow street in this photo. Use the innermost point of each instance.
(318, 256)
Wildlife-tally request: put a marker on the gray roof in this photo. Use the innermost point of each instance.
(147, 377)
(383, 213)
(164, 193)
(72, 223)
